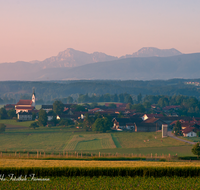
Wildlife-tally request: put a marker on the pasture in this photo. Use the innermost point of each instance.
(14, 123)
(58, 139)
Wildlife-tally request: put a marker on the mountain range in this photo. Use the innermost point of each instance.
(147, 64)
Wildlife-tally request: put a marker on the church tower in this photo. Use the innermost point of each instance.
(33, 97)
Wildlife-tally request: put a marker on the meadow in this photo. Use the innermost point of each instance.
(14, 123)
(105, 183)
(57, 139)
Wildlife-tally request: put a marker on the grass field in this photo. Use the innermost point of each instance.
(106, 183)
(90, 142)
(15, 123)
(77, 163)
(58, 139)
(145, 139)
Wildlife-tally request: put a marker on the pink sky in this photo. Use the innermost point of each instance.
(35, 30)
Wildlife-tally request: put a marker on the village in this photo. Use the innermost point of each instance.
(121, 118)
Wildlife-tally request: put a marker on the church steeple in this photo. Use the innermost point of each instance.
(33, 97)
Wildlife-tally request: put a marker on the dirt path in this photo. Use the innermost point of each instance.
(174, 137)
(9, 126)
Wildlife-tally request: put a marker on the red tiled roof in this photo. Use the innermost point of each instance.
(154, 115)
(174, 122)
(187, 124)
(9, 106)
(188, 129)
(65, 109)
(171, 107)
(95, 109)
(151, 120)
(24, 102)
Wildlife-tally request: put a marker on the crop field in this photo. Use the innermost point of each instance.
(149, 183)
(90, 142)
(82, 163)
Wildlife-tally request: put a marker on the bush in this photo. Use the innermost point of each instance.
(2, 128)
(34, 125)
(196, 149)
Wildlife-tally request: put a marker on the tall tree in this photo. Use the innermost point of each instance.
(58, 107)
(139, 98)
(42, 117)
(130, 100)
(177, 128)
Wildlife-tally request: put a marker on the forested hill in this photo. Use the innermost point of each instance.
(60, 89)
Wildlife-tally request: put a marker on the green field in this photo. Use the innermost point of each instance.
(104, 183)
(59, 139)
(192, 139)
(13, 123)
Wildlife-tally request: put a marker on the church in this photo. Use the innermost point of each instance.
(26, 105)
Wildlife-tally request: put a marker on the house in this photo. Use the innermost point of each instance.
(126, 123)
(189, 132)
(147, 116)
(24, 116)
(50, 116)
(26, 105)
(95, 110)
(145, 127)
(170, 108)
(47, 108)
(156, 121)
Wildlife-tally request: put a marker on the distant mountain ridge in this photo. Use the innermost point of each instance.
(153, 52)
(74, 58)
(148, 64)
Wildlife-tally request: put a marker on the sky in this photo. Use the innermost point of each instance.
(38, 29)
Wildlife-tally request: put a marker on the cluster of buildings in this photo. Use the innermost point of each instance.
(123, 119)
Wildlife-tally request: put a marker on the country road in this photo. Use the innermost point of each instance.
(172, 136)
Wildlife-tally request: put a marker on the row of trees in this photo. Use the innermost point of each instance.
(123, 98)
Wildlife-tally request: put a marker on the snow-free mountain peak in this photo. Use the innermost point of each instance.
(153, 52)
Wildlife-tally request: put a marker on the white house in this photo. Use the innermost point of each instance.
(189, 132)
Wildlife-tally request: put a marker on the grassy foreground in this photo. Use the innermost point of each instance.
(77, 163)
(105, 183)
